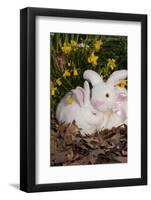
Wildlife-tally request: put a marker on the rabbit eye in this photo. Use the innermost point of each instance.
(107, 95)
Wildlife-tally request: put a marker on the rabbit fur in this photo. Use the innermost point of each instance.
(81, 111)
(107, 98)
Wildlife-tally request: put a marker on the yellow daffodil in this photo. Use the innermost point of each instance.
(53, 89)
(73, 43)
(69, 64)
(70, 100)
(58, 81)
(122, 84)
(111, 63)
(92, 59)
(98, 44)
(75, 72)
(66, 48)
(66, 73)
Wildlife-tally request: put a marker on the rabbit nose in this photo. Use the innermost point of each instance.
(99, 103)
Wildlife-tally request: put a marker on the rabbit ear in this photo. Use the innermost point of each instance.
(87, 92)
(117, 76)
(93, 77)
(78, 95)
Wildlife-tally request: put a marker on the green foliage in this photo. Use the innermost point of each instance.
(72, 54)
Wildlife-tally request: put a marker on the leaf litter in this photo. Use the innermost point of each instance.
(69, 147)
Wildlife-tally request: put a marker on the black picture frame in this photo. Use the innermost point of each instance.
(28, 98)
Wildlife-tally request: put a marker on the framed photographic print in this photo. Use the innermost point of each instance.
(83, 99)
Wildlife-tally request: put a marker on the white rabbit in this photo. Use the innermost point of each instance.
(107, 98)
(118, 114)
(86, 117)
